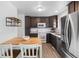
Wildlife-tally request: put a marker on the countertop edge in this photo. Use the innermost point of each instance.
(56, 35)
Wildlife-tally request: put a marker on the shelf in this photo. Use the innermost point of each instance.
(12, 21)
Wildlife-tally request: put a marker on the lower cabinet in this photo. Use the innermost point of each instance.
(52, 39)
(33, 35)
(56, 42)
(27, 31)
(48, 38)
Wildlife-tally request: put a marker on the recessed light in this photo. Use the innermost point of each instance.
(56, 11)
(40, 8)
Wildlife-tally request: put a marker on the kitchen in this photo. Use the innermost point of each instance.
(54, 23)
(50, 21)
(40, 26)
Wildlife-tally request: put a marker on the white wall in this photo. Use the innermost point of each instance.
(7, 10)
(61, 14)
(21, 30)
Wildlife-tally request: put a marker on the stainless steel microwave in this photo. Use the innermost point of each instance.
(41, 25)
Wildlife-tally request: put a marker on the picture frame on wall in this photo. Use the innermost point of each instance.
(12, 21)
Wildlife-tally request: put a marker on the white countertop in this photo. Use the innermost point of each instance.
(58, 35)
(36, 30)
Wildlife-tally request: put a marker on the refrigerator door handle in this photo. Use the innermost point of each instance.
(65, 32)
(67, 39)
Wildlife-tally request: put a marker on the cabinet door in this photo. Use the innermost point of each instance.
(78, 5)
(59, 44)
(71, 7)
(45, 20)
(53, 22)
(48, 38)
(33, 22)
(54, 41)
(27, 21)
(27, 25)
(27, 31)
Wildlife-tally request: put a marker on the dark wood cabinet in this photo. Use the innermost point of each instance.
(35, 20)
(52, 39)
(50, 21)
(48, 38)
(33, 35)
(78, 5)
(53, 22)
(45, 20)
(31, 22)
(27, 25)
(73, 6)
(56, 42)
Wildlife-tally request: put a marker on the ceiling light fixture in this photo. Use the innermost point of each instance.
(56, 11)
(40, 7)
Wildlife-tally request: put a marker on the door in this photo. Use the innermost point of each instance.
(71, 33)
(27, 25)
(63, 19)
(68, 33)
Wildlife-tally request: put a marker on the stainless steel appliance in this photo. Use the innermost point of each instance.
(42, 31)
(41, 25)
(63, 20)
(71, 33)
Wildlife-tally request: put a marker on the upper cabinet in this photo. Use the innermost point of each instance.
(76, 5)
(35, 20)
(27, 21)
(27, 25)
(45, 20)
(73, 6)
(50, 21)
(53, 22)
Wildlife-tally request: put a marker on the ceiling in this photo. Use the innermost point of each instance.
(50, 7)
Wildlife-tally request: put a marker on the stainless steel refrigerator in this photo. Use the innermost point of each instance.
(71, 33)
